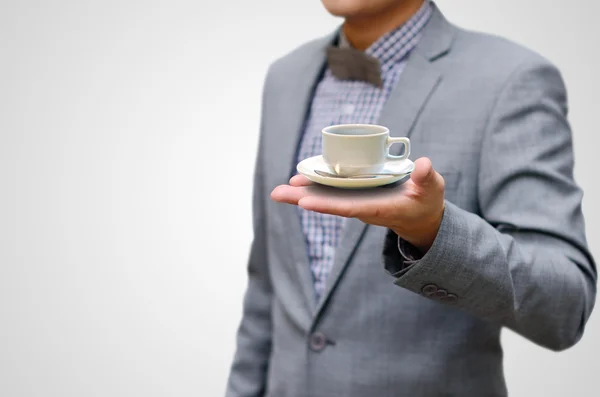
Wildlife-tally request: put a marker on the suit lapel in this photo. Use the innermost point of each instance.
(416, 84)
(293, 110)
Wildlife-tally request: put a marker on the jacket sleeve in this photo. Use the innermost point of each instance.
(523, 260)
(248, 375)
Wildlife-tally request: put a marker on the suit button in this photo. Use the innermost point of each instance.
(449, 298)
(429, 289)
(441, 293)
(317, 341)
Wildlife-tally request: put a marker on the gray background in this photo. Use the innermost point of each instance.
(127, 138)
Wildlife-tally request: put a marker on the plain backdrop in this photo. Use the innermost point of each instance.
(128, 132)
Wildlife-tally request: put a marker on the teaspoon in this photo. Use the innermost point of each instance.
(359, 176)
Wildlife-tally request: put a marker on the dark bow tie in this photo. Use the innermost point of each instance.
(352, 64)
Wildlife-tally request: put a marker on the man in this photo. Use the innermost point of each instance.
(488, 232)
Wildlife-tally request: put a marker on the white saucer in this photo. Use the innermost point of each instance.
(306, 167)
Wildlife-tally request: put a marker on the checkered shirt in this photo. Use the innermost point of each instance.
(350, 102)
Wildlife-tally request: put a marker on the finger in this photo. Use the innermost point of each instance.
(329, 205)
(288, 194)
(300, 180)
(424, 176)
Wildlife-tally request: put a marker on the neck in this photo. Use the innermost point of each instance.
(363, 30)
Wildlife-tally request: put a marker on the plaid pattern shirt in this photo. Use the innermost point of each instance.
(350, 102)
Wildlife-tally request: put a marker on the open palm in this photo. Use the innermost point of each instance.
(412, 209)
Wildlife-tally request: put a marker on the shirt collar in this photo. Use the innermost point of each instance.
(392, 47)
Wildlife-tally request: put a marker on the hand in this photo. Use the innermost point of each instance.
(413, 210)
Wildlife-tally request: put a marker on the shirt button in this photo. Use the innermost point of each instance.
(317, 341)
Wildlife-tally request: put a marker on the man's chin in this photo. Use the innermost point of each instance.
(343, 8)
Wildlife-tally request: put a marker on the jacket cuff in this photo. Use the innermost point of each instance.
(438, 274)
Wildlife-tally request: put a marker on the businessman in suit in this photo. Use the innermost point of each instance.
(403, 291)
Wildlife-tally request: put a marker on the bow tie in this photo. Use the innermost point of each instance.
(352, 64)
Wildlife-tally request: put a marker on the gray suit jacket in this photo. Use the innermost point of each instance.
(492, 117)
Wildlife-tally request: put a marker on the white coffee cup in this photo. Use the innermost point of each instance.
(352, 149)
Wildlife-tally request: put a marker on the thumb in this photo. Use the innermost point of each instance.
(424, 175)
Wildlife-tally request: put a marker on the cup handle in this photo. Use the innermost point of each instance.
(403, 140)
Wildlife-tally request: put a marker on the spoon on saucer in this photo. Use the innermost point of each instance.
(358, 176)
